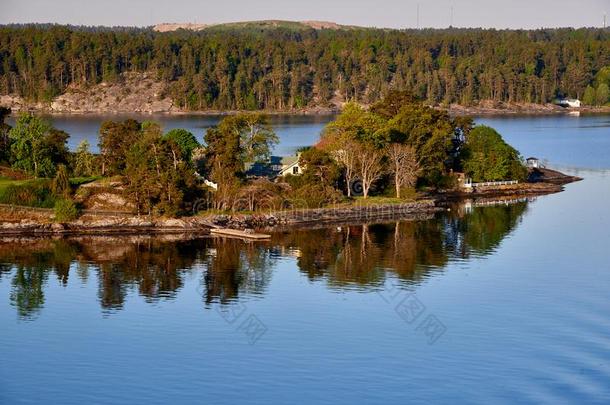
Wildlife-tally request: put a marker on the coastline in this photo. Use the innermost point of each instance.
(483, 108)
(39, 222)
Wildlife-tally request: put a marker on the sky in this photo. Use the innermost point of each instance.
(370, 13)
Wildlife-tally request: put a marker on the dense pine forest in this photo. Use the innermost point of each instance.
(282, 69)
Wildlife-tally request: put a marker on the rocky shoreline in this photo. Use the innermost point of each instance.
(25, 221)
(90, 224)
(490, 108)
(142, 92)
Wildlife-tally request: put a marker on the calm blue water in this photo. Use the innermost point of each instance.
(507, 304)
(295, 131)
(564, 140)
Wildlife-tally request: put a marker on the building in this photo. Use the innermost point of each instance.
(274, 167)
(533, 163)
(569, 103)
(290, 165)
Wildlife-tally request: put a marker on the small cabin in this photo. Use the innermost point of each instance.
(569, 103)
(533, 163)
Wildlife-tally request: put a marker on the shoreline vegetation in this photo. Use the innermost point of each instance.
(397, 159)
(16, 220)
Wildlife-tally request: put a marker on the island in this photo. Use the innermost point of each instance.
(398, 159)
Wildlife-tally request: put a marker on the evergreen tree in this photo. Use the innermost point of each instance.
(61, 183)
(589, 97)
(83, 160)
(5, 140)
(185, 141)
(602, 94)
(284, 68)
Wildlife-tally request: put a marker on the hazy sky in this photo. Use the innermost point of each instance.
(379, 13)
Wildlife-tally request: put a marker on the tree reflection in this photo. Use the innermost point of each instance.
(234, 266)
(156, 268)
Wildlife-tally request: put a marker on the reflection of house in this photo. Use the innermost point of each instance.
(274, 167)
(569, 102)
(533, 163)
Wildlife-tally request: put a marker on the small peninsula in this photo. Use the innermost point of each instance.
(398, 159)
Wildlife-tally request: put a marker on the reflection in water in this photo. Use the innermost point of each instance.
(346, 257)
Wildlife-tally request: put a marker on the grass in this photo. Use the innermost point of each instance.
(33, 192)
(5, 181)
(78, 181)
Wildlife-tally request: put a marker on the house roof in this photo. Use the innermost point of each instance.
(532, 158)
(271, 167)
(289, 160)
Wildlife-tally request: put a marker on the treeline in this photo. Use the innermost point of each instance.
(283, 69)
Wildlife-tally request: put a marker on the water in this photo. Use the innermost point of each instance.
(294, 131)
(564, 140)
(511, 304)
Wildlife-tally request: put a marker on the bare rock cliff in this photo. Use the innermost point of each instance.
(132, 92)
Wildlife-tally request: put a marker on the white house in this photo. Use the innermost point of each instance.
(569, 102)
(274, 167)
(290, 165)
(533, 163)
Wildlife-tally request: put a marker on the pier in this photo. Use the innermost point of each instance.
(236, 233)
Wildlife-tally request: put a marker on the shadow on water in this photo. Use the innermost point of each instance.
(348, 257)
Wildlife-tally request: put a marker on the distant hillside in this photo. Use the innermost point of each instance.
(252, 25)
(282, 65)
(168, 27)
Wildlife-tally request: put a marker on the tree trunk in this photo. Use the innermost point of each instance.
(348, 179)
(397, 182)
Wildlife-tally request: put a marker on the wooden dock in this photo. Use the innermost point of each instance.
(236, 233)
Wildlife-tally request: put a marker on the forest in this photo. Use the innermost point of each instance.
(286, 69)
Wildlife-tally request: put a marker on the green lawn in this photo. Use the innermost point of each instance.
(5, 182)
(33, 192)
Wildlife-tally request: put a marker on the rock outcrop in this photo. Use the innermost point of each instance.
(132, 92)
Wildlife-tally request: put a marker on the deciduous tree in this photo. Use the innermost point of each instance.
(403, 165)
(370, 166)
(36, 147)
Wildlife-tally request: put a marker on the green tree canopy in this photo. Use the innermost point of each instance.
(115, 139)
(357, 124)
(602, 94)
(241, 68)
(185, 140)
(431, 133)
(84, 160)
(155, 183)
(36, 147)
(5, 140)
(486, 157)
(589, 97)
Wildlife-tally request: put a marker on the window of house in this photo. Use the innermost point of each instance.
(295, 170)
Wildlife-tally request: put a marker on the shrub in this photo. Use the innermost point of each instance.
(65, 211)
(61, 182)
(315, 196)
